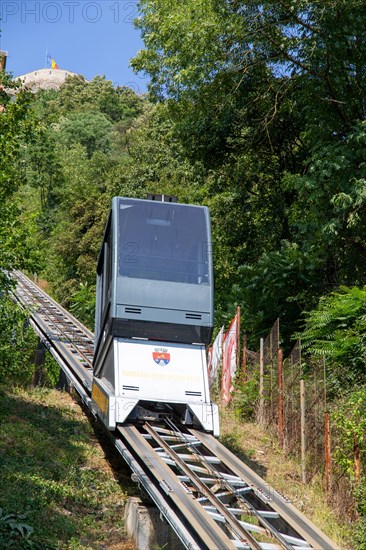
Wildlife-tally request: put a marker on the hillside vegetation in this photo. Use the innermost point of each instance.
(255, 109)
(59, 487)
(76, 501)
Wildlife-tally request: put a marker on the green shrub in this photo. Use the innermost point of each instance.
(17, 340)
(350, 419)
(14, 532)
(336, 329)
(360, 534)
(245, 398)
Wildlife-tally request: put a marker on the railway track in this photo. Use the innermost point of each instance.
(209, 497)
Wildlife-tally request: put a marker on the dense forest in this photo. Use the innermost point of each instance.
(255, 109)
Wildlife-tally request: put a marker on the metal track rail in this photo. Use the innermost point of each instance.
(70, 342)
(210, 498)
(201, 478)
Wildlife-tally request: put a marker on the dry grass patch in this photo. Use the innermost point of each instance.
(258, 448)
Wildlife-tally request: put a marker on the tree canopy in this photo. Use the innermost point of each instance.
(255, 108)
(269, 98)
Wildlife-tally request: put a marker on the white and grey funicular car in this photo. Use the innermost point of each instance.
(154, 314)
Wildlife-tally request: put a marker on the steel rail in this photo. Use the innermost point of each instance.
(205, 530)
(250, 500)
(36, 290)
(285, 509)
(77, 335)
(236, 528)
(248, 508)
(200, 487)
(58, 329)
(154, 493)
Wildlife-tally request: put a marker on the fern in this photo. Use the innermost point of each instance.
(336, 329)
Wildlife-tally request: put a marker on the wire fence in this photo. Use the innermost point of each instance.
(292, 402)
(289, 396)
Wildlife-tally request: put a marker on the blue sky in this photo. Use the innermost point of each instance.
(87, 37)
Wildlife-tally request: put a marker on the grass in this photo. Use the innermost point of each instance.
(258, 448)
(55, 477)
(63, 486)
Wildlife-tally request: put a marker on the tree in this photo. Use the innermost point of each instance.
(16, 126)
(92, 130)
(194, 44)
(73, 166)
(270, 97)
(98, 96)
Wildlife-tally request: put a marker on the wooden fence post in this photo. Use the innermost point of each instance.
(261, 384)
(327, 453)
(238, 338)
(302, 429)
(280, 398)
(245, 361)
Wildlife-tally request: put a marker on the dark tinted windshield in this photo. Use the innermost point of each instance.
(163, 241)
